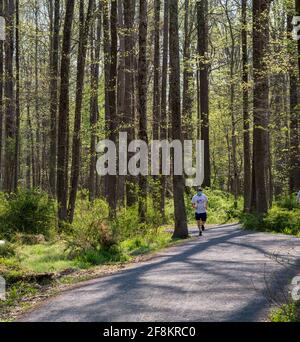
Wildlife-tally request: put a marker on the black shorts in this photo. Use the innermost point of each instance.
(202, 217)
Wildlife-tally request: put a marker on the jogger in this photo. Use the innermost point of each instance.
(200, 204)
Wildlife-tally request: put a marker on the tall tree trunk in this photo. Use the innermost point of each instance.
(129, 11)
(94, 107)
(54, 74)
(1, 96)
(63, 114)
(8, 179)
(84, 24)
(260, 102)
(142, 97)
(112, 179)
(164, 118)
(106, 50)
(121, 92)
(156, 97)
(181, 230)
(36, 97)
(202, 13)
(156, 71)
(17, 144)
(294, 177)
(246, 117)
(187, 95)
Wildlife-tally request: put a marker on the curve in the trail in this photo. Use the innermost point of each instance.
(226, 275)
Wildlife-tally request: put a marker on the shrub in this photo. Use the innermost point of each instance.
(28, 212)
(6, 250)
(89, 230)
(283, 220)
(277, 220)
(288, 202)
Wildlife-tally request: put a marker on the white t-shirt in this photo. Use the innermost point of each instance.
(200, 202)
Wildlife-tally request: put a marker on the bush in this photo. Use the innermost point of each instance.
(89, 230)
(288, 202)
(28, 212)
(283, 220)
(277, 220)
(7, 250)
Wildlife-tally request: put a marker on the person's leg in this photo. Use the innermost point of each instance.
(199, 222)
(204, 218)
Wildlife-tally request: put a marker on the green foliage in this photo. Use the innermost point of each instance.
(287, 313)
(283, 217)
(89, 230)
(288, 202)
(7, 250)
(27, 212)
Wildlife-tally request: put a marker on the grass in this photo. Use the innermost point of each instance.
(286, 313)
(43, 258)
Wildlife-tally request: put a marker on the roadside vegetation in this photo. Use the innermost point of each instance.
(283, 217)
(37, 254)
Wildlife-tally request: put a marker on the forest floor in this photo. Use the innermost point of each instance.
(229, 274)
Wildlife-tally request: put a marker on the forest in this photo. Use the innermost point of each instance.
(73, 73)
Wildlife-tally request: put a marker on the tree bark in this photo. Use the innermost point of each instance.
(202, 12)
(54, 74)
(8, 179)
(164, 116)
(187, 95)
(63, 115)
(246, 117)
(260, 103)
(112, 179)
(1, 96)
(142, 98)
(94, 107)
(81, 61)
(181, 230)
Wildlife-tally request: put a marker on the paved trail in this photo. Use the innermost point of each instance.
(227, 275)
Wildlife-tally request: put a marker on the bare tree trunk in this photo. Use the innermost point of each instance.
(1, 96)
(181, 230)
(94, 107)
(36, 98)
(8, 179)
(121, 92)
(112, 179)
(129, 11)
(294, 177)
(156, 71)
(246, 117)
(202, 12)
(63, 115)
(260, 102)
(81, 60)
(187, 95)
(164, 117)
(54, 74)
(17, 144)
(142, 97)
(106, 50)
